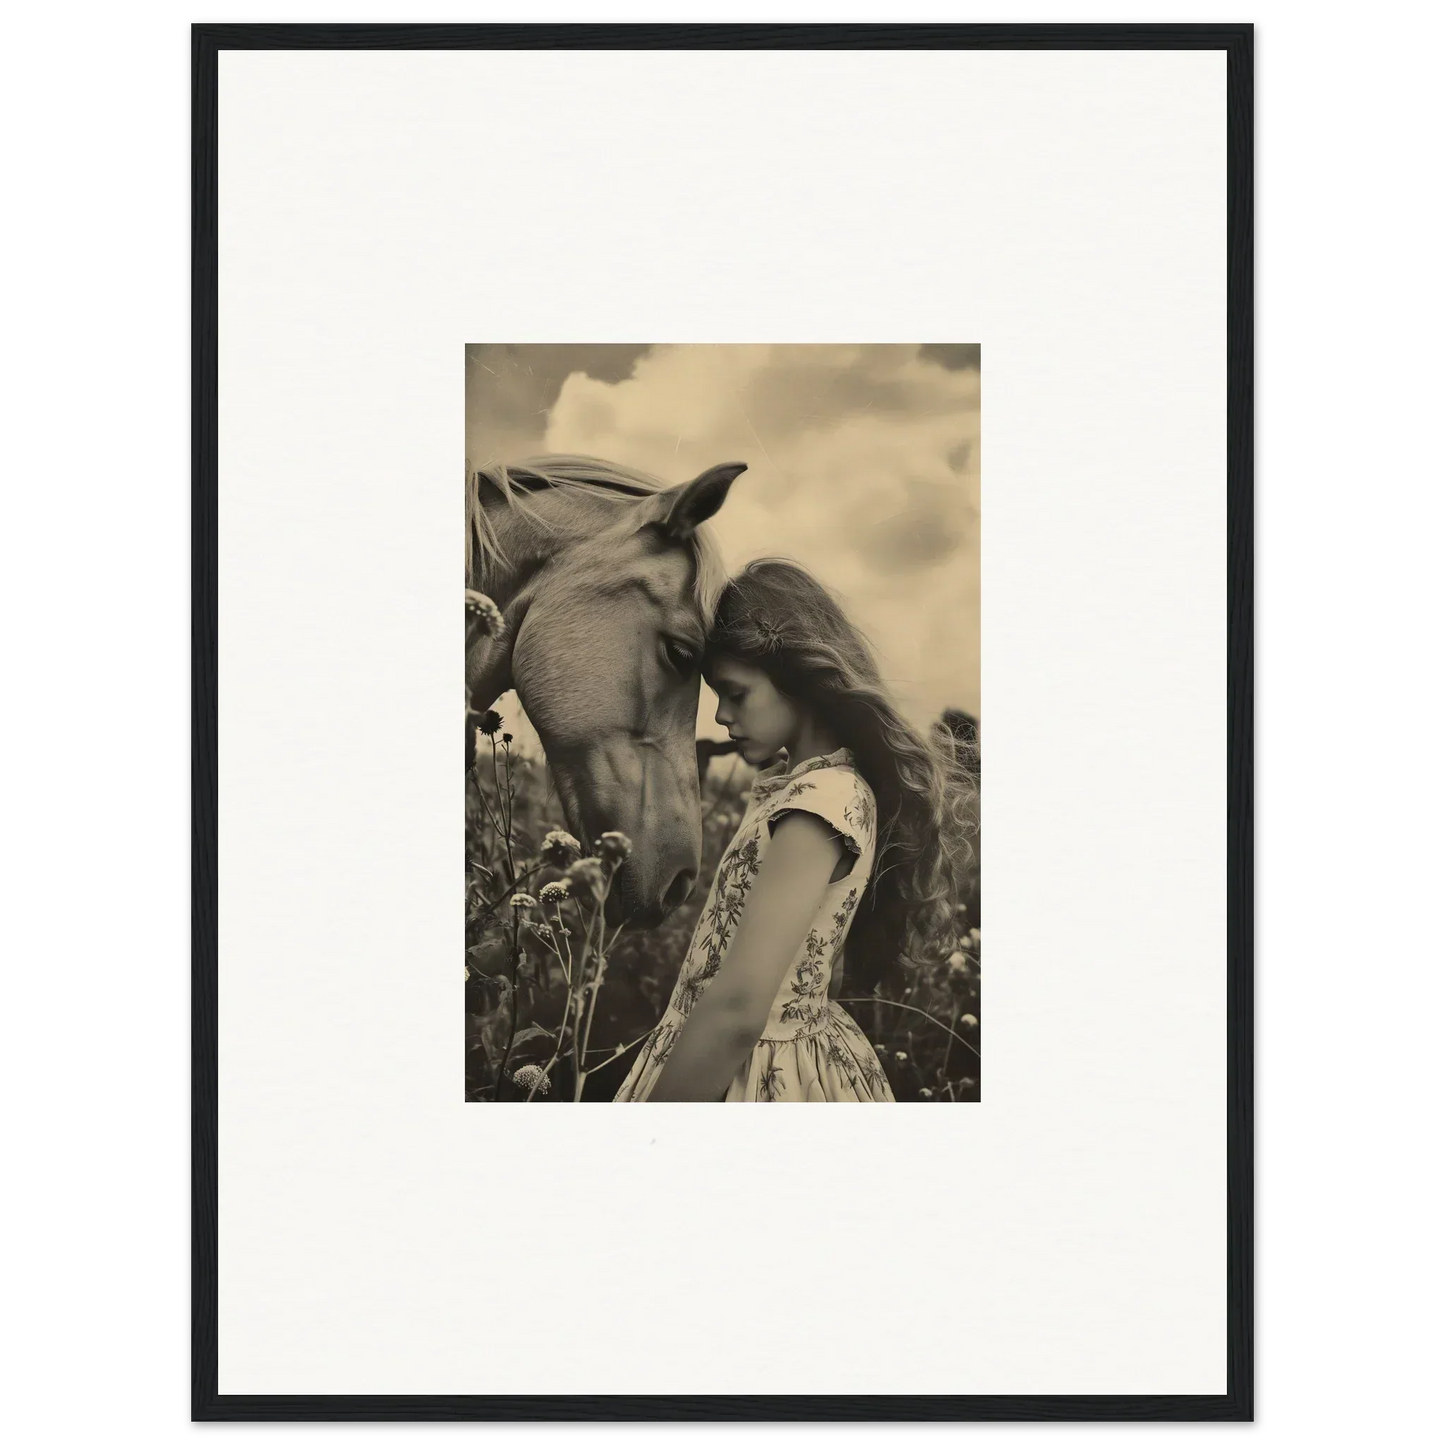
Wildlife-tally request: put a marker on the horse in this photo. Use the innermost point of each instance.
(607, 580)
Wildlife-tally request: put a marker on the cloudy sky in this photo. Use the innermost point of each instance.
(862, 461)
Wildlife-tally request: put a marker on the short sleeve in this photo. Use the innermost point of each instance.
(840, 798)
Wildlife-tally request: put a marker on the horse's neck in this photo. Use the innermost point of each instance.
(526, 548)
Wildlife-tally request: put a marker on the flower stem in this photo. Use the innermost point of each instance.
(948, 1047)
(510, 889)
(482, 797)
(511, 786)
(557, 1052)
(512, 1026)
(557, 926)
(600, 922)
(937, 1022)
(618, 1053)
(507, 834)
(579, 996)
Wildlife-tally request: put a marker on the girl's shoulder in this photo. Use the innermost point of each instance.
(862, 807)
(838, 794)
(836, 779)
(839, 777)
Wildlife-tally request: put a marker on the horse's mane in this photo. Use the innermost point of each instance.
(600, 479)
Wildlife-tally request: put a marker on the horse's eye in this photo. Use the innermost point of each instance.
(680, 656)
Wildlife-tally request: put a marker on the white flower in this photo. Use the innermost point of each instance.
(555, 893)
(969, 1021)
(901, 1057)
(485, 613)
(560, 848)
(529, 1075)
(586, 876)
(523, 900)
(957, 962)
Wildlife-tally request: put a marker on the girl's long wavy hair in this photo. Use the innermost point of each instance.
(774, 615)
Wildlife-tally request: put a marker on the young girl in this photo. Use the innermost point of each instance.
(845, 849)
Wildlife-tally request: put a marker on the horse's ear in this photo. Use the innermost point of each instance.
(685, 507)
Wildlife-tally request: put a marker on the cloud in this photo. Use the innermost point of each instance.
(511, 390)
(922, 532)
(955, 358)
(863, 466)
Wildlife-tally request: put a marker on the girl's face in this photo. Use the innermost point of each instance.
(752, 709)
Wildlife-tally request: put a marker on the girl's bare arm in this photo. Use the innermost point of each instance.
(730, 1016)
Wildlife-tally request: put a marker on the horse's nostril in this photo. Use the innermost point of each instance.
(679, 888)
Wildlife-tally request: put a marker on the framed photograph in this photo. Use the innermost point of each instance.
(785, 400)
(830, 598)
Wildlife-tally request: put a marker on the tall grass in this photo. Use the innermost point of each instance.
(557, 1003)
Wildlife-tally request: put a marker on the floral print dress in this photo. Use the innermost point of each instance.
(811, 1049)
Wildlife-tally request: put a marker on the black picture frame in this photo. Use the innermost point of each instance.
(1236, 1403)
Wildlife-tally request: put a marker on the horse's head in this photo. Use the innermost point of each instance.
(605, 662)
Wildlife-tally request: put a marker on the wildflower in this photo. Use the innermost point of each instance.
(957, 962)
(969, 1021)
(484, 614)
(466, 972)
(559, 848)
(506, 737)
(555, 892)
(900, 1057)
(529, 1075)
(489, 722)
(614, 846)
(523, 900)
(925, 1093)
(973, 936)
(882, 1050)
(542, 930)
(585, 876)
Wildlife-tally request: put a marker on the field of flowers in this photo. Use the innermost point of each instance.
(557, 1003)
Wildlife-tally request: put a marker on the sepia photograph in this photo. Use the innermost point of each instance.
(723, 723)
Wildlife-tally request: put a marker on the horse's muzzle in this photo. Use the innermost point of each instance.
(623, 905)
